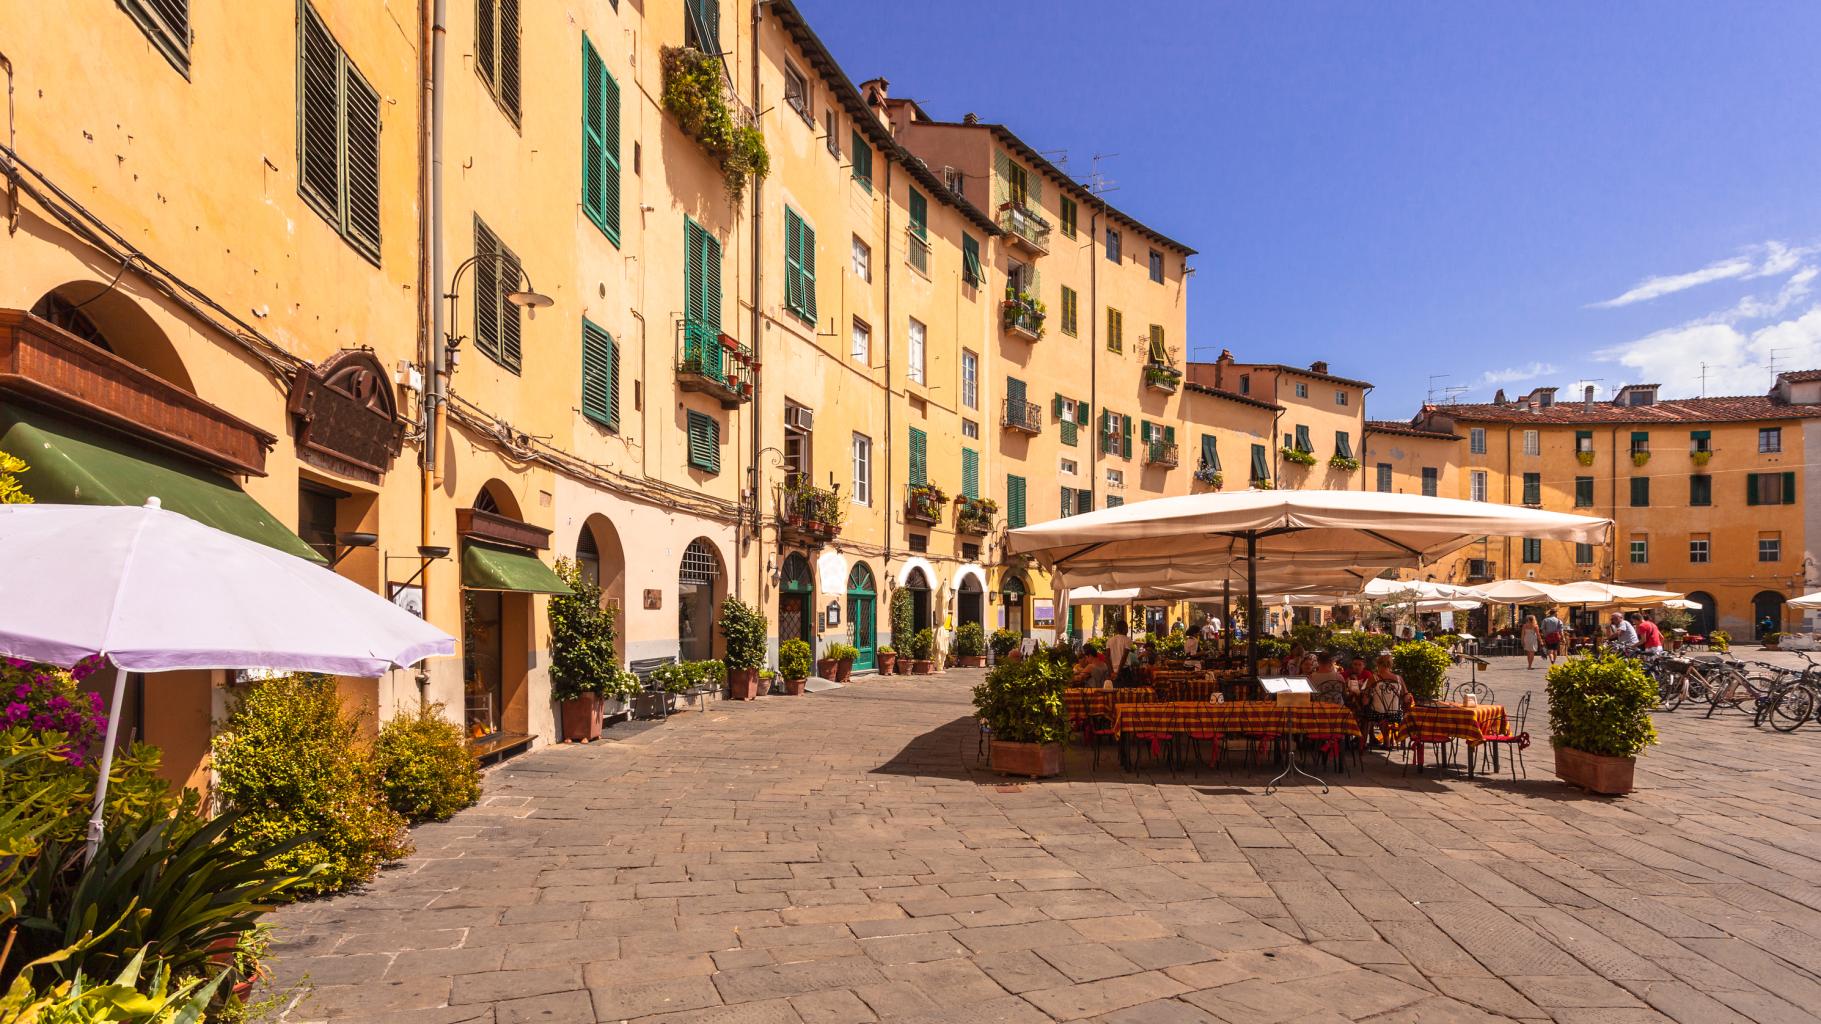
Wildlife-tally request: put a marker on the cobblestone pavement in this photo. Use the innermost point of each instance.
(843, 857)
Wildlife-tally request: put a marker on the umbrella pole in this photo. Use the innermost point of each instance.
(107, 767)
(1226, 608)
(1252, 602)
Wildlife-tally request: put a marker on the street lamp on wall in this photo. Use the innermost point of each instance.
(528, 298)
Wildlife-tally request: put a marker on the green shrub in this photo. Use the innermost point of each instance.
(623, 684)
(744, 629)
(1021, 701)
(1172, 644)
(1311, 637)
(970, 640)
(1005, 641)
(1357, 643)
(82, 1001)
(1720, 640)
(1424, 668)
(582, 653)
(425, 767)
(12, 492)
(1601, 705)
(289, 759)
(1096, 645)
(794, 657)
(923, 644)
(1270, 646)
(904, 618)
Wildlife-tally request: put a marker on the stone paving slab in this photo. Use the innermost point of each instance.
(845, 857)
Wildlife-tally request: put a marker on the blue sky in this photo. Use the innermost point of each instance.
(1511, 195)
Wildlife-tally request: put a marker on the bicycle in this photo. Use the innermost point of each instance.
(1685, 680)
(1752, 681)
(1793, 699)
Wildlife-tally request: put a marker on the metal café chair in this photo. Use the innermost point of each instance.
(1514, 737)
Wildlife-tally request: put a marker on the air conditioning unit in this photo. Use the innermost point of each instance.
(799, 417)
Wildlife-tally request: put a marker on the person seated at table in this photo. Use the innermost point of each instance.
(1092, 670)
(1191, 645)
(1388, 694)
(1325, 670)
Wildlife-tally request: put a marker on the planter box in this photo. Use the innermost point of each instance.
(1036, 760)
(582, 719)
(844, 670)
(1595, 773)
(971, 660)
(921, 667)
(904, 666)
(794, 687)
(742, 684)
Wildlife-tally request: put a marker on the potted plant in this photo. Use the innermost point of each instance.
(617, 698)
(1719, 640)
(744, 630)
(1424, 667)
(794, 657)
(843, 655)
(1004, 642)
(904, 623)
(970, 645)
(886, 658)
(1585, 457)
(1021, 703)
(767, 679)
(1701, 456)
(1297, 455)
(827, 666)
(582, 656)
(1599, 721)
(1639, 457)
(923, 650)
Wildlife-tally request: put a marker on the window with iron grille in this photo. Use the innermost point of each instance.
(167, 24)
(918, 542)
(496, 52)
(496, 319)
(337, 137)
(700, 565)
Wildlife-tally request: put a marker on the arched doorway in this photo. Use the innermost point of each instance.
(918, 585)
(496, 635)
(863, 614)
(1016, 605)
(970, 601)
(110, 319)
(602, 561)
(1701, 620)
(796, 591)
(1766, 613)
(698, 579)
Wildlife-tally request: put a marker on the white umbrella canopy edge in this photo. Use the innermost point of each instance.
(1810, 601)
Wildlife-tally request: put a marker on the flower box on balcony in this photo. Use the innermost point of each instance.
(1022, 315)
(1158, 377)
(924, 504)
(1157, 453)
(1298, 456)
(975, 515)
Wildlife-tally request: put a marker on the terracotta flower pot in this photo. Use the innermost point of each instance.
(582, 719)
(1595, 773)
(922, 666)
(1036, 760)
(827, 668)
(886, 663)
(794, 687)
(844, 670)
(972, 660)
(742, 683)
(904, 664)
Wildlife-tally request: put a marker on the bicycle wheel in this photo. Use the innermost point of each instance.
(1792, 707)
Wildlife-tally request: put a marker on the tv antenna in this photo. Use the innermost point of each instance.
(1098, 183)
(1703, 380)
(1774, 353)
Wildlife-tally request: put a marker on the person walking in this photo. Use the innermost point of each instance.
(1117, 646)
(1530, 636)
(1552, 636)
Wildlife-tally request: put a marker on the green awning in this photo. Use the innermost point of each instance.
(76, 465)
(486, 567)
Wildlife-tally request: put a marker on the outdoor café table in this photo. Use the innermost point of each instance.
(1455, 721)
(1080, 703)
(1199, 688)
(1234, 716)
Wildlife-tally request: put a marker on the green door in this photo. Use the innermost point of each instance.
(861, 608)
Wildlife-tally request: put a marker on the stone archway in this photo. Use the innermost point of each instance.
(1766, 613)
(701, 581)
(1015, 601)
(917, 582)
(112, 320)
(1701, 621)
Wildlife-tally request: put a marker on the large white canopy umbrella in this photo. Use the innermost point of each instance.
(155, 591)
(1422, 590)
(1686, 605)
(1595, 592)
(1806, 601)
(1520, 592)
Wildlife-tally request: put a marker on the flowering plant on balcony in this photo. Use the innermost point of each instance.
(1701, 455)
(1161, 375)
(1585, 456)
(925, 501)
(1343, 463)
(1639, 456)
(975, 515)
(1263, 485)
(695, 95)
(816, 509)
(1022, 309)
(1211, 477)
(1297, 455)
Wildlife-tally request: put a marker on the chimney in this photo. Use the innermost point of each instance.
(1499, 398)
(1587, 399)
(876, 91)
(970, 118)
(1319, 366)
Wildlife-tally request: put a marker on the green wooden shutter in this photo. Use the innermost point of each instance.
(970, 473)
(1789, 488)
(1014, 501)
(360, 159)
(511, 315)
(1343, 445)
(1210, 453)
(594, 142)
(1015, 391)
(1081, 412)
(1261, 470)
(1169, 435)
(919, 215)
(711, 283)
(1056, 407)
(1303, 444)
(793, 261)
(1125, 436)
(704, 442)
(1640, 492)
(863, 161)
(1106, 432)
(319, 116)
(1113, 501)
(970, 260)
(598, 390)
(806, 262)
(1084, 501)
(1751, 488)
(1067, 503)
(919, 458)
(486, 292)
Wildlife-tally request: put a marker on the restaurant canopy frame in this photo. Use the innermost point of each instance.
(1200, 536)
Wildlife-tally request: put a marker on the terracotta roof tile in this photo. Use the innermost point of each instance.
(1231, 396)
(1736, 408)
(1801, 376)
(1403, 429)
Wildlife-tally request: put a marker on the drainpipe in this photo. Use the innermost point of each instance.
(758, 322)
(1094, 316)
(885, 506)
(1507, 541)
(1612, 571)
(432, 391)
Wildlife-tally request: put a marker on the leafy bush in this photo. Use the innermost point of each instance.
(1424, 667)
(843, 652)
(923, 644)
(289, 759)
(693, 93)
(1270, 646)
(425, 766)
(744, 629)
(1720, 640)
(1357, 643)
(794, 657)
(582, 653)
(1096, 645)
(1601, 705)
(1172, 644)
(679, 677)
(622, 684)
(80, 1001)
(904, 618)
(1021, 701)
(1005, 641)
(970, 640)
(12, 492)
(1311, 637)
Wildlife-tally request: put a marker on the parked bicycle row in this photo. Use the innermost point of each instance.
(1782, 696)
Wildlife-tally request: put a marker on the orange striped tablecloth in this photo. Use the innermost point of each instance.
(1234, 716)
(1457, 721)
(1201, 689)
(1080, 702)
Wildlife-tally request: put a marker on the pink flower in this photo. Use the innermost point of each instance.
(16, 712)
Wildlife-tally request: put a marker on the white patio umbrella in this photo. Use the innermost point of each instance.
(1806, 601)
(1597, 593)
(1421, 590)
(1202, 536)
(155, 591)
(1687, 605)
(1520, 592)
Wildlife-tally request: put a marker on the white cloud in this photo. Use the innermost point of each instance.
(1769, 259)
(1737, 362)
(1752, 307)
(1512, 374)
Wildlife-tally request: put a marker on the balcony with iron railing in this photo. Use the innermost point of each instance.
(1162, 377)
(1161, 453)
(1022, 316)
(712, 363)
(923, 503)
(975, 515)
(916, 250)
(1023, 227)
(813, 513)
(1025, 416)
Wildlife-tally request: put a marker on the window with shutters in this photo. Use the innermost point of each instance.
(704, 442)
(1067, 214)
(1533, 550)
(1115, 330)
(1112, 246)
(600, 376)
(1209, 462)
(1156, 266)
(496, 320)
(1700, 441)
(702, 302)
(1640, 492)
(970, 379)
(1583, 554)
(1384, 477)
(1640, 441)
(917, 232)
(971, 272)
(796, 93)
(1700, 548)
(1070, 311)
(1478, 485)
(1260, 471)
(1303, 444)
(1532, 443)
(799, 445)
(862, 348)
(799, 267)
(970, 473)
(702, 25)
(600, 144)
(829, 138)
(337, 137)
(1533, 488)
(913, 364)
(1431, 481)
(863, 161)
(1770, 488)
(1114, 501)
(1476, 440)
(1700, 490)
(863, 470)
(919, 458)
(1343, 444)
(496, 51)
(1583, 492)
(167, 24)
(1014, 501)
